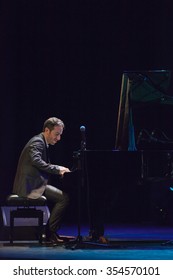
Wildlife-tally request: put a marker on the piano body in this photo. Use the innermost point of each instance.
(144, 121)
(119, 188)
(135, 180)
(133, 183)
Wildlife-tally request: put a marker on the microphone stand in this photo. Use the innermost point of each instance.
(81, 183)
(79, 243)
(80, 156)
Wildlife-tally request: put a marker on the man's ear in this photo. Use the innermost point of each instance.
(46, 129)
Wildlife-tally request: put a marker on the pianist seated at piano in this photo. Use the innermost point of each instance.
(32, 175)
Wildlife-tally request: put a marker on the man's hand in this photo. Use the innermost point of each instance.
(63, 170)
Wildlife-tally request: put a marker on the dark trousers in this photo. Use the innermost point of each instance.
(59, 200)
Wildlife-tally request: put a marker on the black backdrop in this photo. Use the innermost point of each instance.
(65, 59)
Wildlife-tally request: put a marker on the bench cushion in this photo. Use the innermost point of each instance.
(15, 200)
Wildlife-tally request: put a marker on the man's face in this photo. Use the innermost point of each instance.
(53, 136)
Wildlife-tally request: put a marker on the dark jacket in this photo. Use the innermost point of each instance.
(33, 167)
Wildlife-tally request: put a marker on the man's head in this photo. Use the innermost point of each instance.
(52, 130)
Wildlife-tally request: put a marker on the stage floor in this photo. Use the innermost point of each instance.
(126, 242)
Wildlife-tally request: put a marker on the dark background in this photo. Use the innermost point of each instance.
(66, 59)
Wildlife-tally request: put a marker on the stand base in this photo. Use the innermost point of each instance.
(79, 243)
(169, 242)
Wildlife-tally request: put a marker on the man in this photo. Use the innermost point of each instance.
(33, 172)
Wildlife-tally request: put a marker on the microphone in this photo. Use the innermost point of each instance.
(83, 140)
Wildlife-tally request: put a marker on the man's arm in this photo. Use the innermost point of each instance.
(36, 151)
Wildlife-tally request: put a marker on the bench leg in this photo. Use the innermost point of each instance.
(11, 227)
(40, 224)
(29, 214)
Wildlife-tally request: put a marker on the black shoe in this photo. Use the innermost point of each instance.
(56, 240)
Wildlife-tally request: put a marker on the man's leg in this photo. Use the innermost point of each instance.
(60, 201)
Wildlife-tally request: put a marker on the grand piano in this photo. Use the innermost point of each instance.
(133, 182)
(144, 128)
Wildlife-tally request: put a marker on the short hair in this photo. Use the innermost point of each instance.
(52, 122)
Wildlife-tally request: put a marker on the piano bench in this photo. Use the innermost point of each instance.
(25, 208)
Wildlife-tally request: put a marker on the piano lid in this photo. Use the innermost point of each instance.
(139, 88)
(149, 86)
